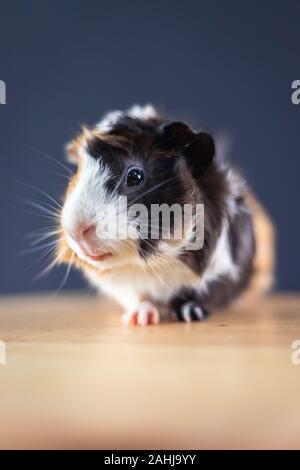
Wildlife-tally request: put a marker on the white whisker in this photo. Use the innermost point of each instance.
(40, 238)
(42, 192)
(50, 265)
(37, 248)
(46, 210)
(44, 216)
(45, 229)
(54, 160)
(65, 278)
(40, 258)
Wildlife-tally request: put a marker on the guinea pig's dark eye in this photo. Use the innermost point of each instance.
(134, 177)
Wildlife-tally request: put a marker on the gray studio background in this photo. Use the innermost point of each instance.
(226, 65)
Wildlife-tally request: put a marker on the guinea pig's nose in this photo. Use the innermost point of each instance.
(84, 232)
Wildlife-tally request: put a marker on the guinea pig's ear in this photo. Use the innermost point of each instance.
(199, 154)
(71, 151)
(176, 135)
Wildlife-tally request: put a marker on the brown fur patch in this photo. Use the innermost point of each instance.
(264, 260)
(80, 142)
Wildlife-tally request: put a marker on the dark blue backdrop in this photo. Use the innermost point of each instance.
(227, 65)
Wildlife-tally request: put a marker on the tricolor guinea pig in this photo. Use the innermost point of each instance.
(138, 157)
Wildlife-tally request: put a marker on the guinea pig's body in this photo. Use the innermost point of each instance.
(151, 161)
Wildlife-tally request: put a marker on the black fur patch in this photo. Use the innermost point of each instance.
(188, 299)
(147, 145)
(160, 148)
(220, 292)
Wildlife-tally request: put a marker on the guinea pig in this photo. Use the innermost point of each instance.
(138, 156)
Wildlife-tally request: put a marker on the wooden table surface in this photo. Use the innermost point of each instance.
(76, 378)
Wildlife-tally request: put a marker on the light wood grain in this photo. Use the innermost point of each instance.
(76, 378)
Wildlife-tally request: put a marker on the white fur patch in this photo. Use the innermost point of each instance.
(142, 112)
(88, 194)
(221, 263)
(109, 120)
(87, 204)
(161, 277)
(139, 112)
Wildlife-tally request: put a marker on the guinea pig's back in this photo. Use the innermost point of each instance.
(264, 260)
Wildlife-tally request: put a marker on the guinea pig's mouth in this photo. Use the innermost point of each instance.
(101, 257)
(88, 253)
(95, 256)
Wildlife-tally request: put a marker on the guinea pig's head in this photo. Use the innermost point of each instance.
(126, 165)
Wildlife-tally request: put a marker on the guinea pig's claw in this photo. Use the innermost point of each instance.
(190, 311)
(145, 314)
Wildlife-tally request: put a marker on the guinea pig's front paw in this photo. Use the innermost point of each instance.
(190, 311)
(145, 314)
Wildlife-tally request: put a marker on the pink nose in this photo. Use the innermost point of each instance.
(84, 232)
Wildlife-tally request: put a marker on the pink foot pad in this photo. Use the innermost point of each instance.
(145, 314)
